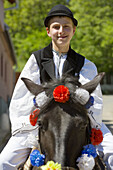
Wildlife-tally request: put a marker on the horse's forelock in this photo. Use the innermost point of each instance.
(66, 80)
(72, 107)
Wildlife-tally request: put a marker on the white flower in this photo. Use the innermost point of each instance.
(86, 162)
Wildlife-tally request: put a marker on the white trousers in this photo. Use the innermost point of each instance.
(14, 154)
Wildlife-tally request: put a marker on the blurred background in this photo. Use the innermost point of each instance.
(22, 31)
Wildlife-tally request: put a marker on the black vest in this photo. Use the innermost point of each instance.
(44, 58)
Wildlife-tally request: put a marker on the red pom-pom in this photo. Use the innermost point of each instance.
(96, 136)
(34, 117)
(61, 94)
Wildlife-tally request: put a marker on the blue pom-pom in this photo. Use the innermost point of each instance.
(90, 102)
(36, 158)
(90, 150)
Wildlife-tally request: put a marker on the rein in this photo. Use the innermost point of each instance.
(39, 147)
(88, 132)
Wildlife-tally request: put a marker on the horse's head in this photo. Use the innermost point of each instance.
(63, 126)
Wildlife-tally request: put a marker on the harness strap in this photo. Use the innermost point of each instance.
(39, 147)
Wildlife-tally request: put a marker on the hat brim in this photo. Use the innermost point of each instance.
(59, 14)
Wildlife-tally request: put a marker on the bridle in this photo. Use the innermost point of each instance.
(88, 141)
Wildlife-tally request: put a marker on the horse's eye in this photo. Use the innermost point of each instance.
(83, 127)
(43, 125)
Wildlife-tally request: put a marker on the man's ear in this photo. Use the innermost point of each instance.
(74, 28)
(48, 31)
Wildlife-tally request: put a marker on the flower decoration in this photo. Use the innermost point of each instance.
(51, 166)
(90, 150)
(61, 94)
(86, 162)
(90, 102)
(36, 158)
(96, 136)
(34, 117)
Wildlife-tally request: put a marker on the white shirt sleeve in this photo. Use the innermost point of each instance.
(87, 73)
(22, 100)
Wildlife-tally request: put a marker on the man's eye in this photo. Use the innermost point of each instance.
(66, 26)
(56, 27)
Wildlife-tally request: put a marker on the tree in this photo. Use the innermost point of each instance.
(94, 35)
(27, 28)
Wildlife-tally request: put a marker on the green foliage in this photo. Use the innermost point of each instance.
(94, 35)
(27, 27)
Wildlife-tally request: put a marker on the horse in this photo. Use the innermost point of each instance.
(64, 125)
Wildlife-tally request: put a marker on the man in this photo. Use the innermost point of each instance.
(42, 66)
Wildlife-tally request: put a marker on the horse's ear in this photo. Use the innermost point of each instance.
(91, 86)
(32, 87)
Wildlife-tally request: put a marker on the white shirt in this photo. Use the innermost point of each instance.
(22, 100)
(59, 62)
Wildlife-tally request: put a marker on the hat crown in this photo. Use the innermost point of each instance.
(60, 9)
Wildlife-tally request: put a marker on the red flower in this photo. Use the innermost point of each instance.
(61, 94)
(34, 117)
(96, 136)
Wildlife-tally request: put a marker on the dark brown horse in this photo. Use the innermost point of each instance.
(64, 127)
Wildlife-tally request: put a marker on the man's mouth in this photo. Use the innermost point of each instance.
(62, 37)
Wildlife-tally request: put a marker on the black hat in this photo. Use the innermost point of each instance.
(60, 10)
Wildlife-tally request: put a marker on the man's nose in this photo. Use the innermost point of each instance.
(61, 29)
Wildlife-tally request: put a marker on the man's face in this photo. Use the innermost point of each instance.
(61, 30)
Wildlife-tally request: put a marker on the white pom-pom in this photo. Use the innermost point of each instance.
(86, 162)
(82, 96)
(41, 98)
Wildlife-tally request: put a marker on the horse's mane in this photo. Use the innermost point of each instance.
(67, 80)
